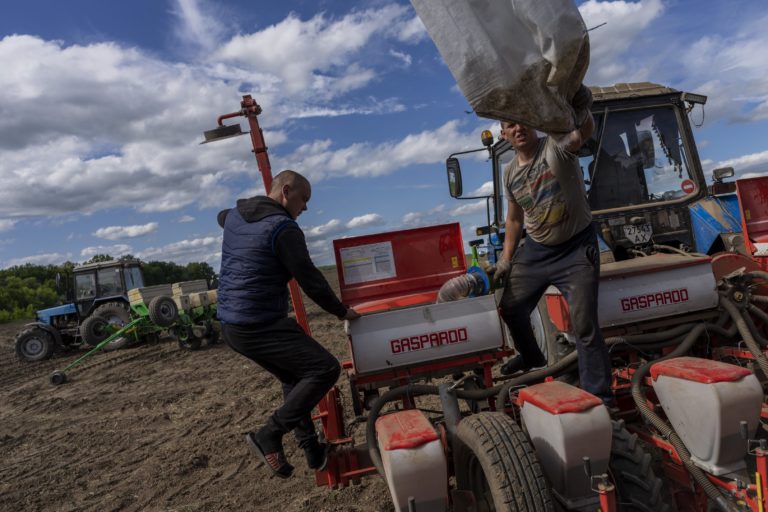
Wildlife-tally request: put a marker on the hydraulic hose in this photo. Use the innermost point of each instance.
(745, 332)
(667, 431)
(751, 324)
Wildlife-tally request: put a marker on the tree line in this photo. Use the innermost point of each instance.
(27, 288)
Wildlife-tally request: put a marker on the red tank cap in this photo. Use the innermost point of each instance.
(699, 370)
(404, 429)
(557, 397)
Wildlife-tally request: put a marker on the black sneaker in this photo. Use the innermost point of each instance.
(274, 458)
(317, 456)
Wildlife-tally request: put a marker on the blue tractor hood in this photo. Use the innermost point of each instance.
(45, 315)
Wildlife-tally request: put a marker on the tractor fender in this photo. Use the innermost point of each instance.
(48, 328)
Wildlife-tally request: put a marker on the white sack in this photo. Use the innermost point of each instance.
(518, 60)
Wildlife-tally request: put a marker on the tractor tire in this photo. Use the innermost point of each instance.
(547, 336)
(34, 344)
(637, 486)
(117, 316)
(187, 339)
(94, 330)
(496, 462)
(163, 311)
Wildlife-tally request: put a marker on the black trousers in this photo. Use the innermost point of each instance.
(573, 268)
(306, 370)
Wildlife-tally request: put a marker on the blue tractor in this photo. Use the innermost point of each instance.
(99, 292)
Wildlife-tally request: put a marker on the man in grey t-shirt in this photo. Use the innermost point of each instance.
(546, 194)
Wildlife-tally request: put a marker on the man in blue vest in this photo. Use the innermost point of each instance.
(263, 249)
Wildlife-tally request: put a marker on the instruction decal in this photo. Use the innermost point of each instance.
(369, 262)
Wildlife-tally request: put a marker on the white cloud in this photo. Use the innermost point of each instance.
(115, 251)
(197, 26)
(625, 26)
(402, 57)
(469, 208)
(313, 57)
(120, 232)
(486, 189)
(436, 215)
(185, 218)
(746, 166)
(412, 31)
(367, 220)
(205, 249)
(53, 258)
(6, 224)
(318, 161)
(330, 228)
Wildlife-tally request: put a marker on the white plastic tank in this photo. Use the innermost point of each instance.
(566, 424)
(705, 402)
(414, 461)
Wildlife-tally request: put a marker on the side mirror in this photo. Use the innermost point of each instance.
(645, 146)
(719, 174)
(453, 168)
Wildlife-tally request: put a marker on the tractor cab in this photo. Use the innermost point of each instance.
(641, 171)
(96, 283)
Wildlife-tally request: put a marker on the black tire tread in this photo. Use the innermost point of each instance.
(155, 311)
(117, 309)
(637, 484)
(28, 333)
(509, 462)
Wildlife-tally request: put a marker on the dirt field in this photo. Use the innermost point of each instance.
(154, 428)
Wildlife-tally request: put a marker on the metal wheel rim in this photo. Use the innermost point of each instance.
(537, 324)
(33, 346)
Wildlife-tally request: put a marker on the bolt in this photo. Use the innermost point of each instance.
(738, 296)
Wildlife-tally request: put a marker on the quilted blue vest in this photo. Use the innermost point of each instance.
(253, 284)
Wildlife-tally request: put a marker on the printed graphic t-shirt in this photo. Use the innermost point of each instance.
(551, 192)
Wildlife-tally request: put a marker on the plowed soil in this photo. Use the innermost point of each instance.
(155, 428)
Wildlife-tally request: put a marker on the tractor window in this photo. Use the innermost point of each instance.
(109, 282)
(641, 160)
(85, 286)
(133, 278)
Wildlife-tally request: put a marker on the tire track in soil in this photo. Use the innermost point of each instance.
(159, 430)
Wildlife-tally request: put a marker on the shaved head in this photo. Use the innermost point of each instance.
(292, 190)
(287, 177)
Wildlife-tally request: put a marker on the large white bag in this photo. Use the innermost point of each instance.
(517, 60)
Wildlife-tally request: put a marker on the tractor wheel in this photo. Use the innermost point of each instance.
(187, 339)
(163, 311)
(496, 462)
(546, 333)
(637, 486)
(34, 344)
(117, 316)
(58, 378)
(94, 330)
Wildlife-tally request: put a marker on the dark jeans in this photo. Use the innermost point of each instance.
(573, 267)
(306, 370)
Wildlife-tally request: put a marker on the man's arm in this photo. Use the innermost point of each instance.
(579, 136)
(513, 229)
(291, 250)
(581, 103)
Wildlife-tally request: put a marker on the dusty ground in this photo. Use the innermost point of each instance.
(154, 428)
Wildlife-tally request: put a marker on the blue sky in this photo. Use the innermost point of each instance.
(103, 105)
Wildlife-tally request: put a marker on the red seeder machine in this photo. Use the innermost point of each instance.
(685, 327)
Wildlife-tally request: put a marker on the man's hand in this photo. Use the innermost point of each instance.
(351, 314)
(501, 270)
(581, 103)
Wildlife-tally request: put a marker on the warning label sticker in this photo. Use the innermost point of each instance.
(367, 262)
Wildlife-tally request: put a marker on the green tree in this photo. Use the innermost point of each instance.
(99, 258)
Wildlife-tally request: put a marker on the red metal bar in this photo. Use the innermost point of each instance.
(762, 470)
(251, 110)
(607, 494)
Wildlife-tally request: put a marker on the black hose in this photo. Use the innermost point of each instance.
(667, 431)
(753, 327)
(758, 273)
(745, 332)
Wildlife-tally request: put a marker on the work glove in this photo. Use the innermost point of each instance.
(501, 271)
(581, 103)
